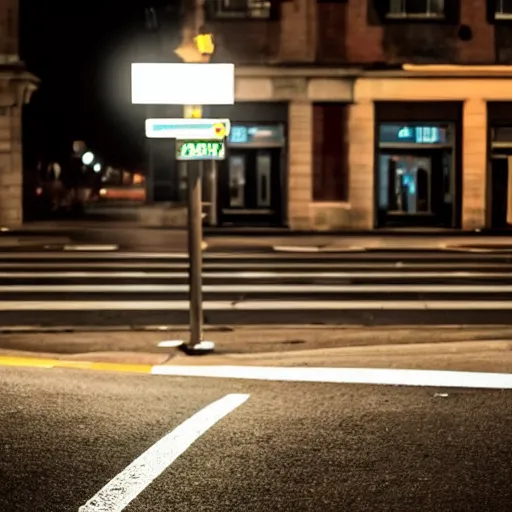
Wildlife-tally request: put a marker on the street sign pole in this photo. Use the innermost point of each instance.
(197, 139)
(196, 344)
(195, 238)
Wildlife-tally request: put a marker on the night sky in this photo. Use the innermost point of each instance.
(82, 54)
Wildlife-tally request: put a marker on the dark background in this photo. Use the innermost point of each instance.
(82, 54)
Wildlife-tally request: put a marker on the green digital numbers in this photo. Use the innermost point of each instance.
(200, 150)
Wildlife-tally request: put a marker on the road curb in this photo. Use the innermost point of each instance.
(47, 363)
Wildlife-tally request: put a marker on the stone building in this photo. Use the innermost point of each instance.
(16, 86)
(363, 114)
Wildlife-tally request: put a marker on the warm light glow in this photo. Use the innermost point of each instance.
(103, 192)
(441, 68)
(138, 179)
(183, 84)
(88, 158)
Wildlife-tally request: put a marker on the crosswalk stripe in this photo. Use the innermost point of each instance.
(184, 305)
(135, 288)
(244, 288)
(252, 275)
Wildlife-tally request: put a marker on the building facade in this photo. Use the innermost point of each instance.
(16, 86)
(366, 114)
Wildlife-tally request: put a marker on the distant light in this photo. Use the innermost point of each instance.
(97, 167)
(87, 158)
(103, 192)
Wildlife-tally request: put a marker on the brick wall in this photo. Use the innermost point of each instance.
(246, 41)
(363, 41)
(331, 38)
(368, 40)
(298, 31)
(480, 50)
(290, 38)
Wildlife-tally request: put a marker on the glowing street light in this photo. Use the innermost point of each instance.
(97, 167)
(88, 158)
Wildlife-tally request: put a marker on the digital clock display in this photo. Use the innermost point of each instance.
(200, 150)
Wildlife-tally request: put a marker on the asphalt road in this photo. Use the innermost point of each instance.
(382, 288)
(287, 446)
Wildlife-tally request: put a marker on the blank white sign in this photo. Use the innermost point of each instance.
(183, 84)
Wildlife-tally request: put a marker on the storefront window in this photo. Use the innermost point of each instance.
(405, 184)
(415, 172)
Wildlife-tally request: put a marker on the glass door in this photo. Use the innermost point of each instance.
(237, 177)
(250, 187)
(414, 188)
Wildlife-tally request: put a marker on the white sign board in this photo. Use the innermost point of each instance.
(183, 84)
(188, 129)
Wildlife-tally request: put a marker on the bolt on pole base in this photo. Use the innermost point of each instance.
(197, 349)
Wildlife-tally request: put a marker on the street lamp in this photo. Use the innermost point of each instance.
(97, 167)
(88, 158)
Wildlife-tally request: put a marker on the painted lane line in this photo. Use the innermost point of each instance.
(111, 255)
(128, 484)
(371, 376)
(91, 247)
(252, 275)
(270, 305)
(248, 254)
(254, 288)
(439, 267)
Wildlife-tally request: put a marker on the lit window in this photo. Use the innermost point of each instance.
(503, 9)
(416, 9)
(240, 8)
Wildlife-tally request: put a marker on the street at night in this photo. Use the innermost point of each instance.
(255, 256)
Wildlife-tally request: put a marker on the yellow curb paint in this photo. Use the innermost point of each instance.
(34, 362)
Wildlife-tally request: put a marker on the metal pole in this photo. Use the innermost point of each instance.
(213, 193)
(195, 239)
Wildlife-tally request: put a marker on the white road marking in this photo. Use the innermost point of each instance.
(328, 266)
(184, 305)
(71, 255)
(244, 288)
(170, 343)
(128, 484)
(390, 377)
(254, 275)
(91, 247)
(317, 248)
(240, 255)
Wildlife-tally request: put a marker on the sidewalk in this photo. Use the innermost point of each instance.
(457, 347)
(130, 236)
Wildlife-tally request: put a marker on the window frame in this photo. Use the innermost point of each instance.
(404, 15)
(216, 11)
(500, 15)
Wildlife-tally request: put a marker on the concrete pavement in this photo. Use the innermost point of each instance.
(459, 349)
(67, 435)
(132, 236)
